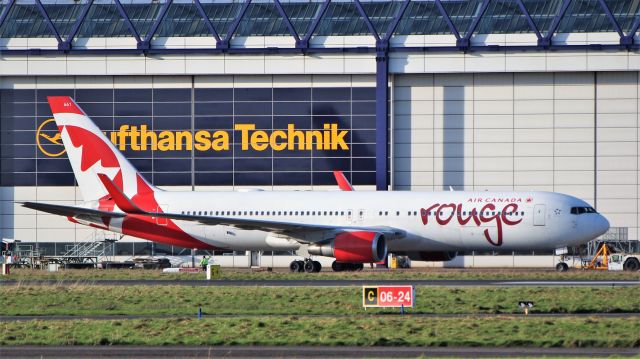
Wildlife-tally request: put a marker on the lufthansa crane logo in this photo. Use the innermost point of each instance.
(49, 139)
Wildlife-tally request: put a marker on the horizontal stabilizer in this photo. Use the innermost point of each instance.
(121, 200)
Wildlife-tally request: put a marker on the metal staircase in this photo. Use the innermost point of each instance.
(99, 245)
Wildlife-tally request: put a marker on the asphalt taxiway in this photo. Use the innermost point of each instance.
(299, 352)
(337, 283)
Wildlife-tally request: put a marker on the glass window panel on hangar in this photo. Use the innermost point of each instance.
(182, 20)
(585, 16)
(104, 20)
(301, 14)
(340, 19)
(25, 20)
(63, 14)
(213, 94)
(262, 19)
(422, 17)
(381, 13)
(221, 14)
(625, 12)
(543, 12)
(502, 17)
(142, 14)
(213, 164)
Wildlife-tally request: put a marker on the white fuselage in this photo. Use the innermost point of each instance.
(430, 221)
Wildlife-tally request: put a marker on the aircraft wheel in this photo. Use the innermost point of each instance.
(359, 266)
(309, 267)
(300, 266)
(337, 266)
(631, 265)
(562, 267)
(294, 266)
(317, 267)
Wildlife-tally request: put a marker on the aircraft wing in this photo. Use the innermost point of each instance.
(242, 223)
(273, 226)
(70, 211)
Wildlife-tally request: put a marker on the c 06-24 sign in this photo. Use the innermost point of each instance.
(388, 296)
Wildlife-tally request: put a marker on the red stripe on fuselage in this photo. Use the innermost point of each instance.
(145, 227)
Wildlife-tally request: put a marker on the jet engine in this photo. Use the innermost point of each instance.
(353, 247)
(432, 256)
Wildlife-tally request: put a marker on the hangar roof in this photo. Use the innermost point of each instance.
(145, 20)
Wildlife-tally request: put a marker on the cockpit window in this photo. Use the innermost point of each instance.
(582, 210)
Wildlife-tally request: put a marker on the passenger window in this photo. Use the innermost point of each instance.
(397, 213)
(386, 213)
(409, 213)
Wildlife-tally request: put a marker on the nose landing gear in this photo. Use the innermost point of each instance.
(307, 265)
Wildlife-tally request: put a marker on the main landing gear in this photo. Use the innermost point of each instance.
(343, 267)
(307, 265)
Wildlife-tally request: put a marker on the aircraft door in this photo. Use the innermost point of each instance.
(255, 258)
(539, 214)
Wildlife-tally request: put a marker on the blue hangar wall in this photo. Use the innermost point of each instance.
(201, 136)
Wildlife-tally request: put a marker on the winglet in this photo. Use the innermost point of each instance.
(122, 201)
(343, 182)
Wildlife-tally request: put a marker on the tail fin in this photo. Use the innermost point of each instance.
(91, 153)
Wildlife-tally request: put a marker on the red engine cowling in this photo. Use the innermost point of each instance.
(353, 247)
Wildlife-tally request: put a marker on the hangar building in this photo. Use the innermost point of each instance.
(475, 95)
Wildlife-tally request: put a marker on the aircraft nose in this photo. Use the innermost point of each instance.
(600, 225)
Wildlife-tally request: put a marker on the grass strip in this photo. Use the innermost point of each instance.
(389, 331)
(281, 274)
(181, 300)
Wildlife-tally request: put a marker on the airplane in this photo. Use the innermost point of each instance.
(353, 227)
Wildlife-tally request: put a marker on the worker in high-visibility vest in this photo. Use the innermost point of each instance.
(204, 262)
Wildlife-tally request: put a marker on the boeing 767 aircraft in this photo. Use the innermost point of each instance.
(354, 227)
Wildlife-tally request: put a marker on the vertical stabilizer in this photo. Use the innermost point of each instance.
(91, 153)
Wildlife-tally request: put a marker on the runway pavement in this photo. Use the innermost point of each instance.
(299, 352)
(340, 283)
